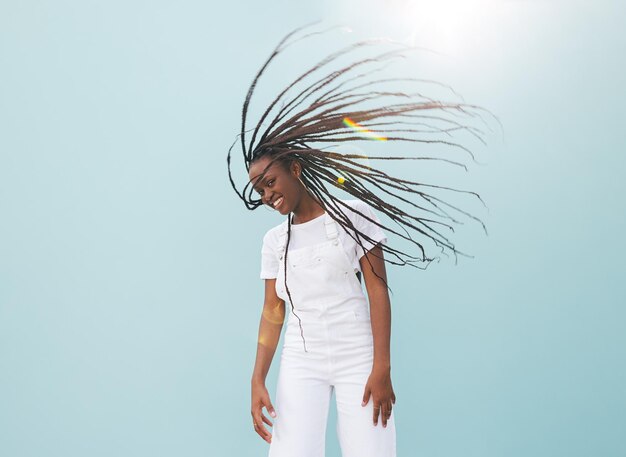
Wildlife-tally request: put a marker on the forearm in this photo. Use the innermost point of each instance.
(270, 326)
(380, 313)
(373, 268)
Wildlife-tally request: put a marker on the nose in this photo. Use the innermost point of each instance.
(267, 197)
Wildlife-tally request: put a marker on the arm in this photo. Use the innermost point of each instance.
(380, 307)
(270, 327)
(269, 333)
(379, 382)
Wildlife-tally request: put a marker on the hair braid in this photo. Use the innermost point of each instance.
(309, 125)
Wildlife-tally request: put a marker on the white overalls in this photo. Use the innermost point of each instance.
(329, 299)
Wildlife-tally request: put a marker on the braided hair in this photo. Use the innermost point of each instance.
(307, 119)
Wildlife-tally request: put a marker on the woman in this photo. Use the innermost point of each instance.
(315, 258)
(339, 354)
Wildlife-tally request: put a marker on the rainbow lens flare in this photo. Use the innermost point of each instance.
(362, 130)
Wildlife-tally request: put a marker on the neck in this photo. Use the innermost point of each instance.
(308, 208)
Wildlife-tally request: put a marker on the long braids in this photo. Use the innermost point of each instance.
(306, 131)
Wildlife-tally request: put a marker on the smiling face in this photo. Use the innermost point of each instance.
(279, 188)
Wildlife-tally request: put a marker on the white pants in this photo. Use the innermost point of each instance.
(339, 354)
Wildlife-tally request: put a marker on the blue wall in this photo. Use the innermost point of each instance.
(129, 290)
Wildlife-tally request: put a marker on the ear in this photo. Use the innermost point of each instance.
(296, 168)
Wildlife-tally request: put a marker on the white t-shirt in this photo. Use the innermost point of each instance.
(313, 232)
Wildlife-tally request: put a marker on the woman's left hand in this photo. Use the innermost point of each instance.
(379, 387)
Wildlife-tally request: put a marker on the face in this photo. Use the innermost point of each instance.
(279, 188)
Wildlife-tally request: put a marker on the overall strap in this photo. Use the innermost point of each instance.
(331, 227)
(282, 239)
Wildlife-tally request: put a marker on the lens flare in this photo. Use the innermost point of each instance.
(362, 130)
(274, 314)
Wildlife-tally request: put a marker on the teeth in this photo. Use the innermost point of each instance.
(278, 202)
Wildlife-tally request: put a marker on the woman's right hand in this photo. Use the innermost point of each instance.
(261, 398)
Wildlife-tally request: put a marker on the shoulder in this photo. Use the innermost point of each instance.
(271, 237)
(358, 206)
(363, 217)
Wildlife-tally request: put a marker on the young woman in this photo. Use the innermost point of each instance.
(329, 252)
(342, 349)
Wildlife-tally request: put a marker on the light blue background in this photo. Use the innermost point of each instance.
(129, 290)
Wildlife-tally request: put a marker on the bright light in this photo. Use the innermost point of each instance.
(447, 26)
(451, 27)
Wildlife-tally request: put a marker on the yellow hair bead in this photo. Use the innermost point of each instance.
(341, 180)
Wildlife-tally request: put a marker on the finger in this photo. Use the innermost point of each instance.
(259, 417)
(265, 419)
(270, 408)
(366, 396)
(258, 420)
(383, 414)
(388, 413)
(263, 433)
(376, 413)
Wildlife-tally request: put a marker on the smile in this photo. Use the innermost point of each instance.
(278, 202)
